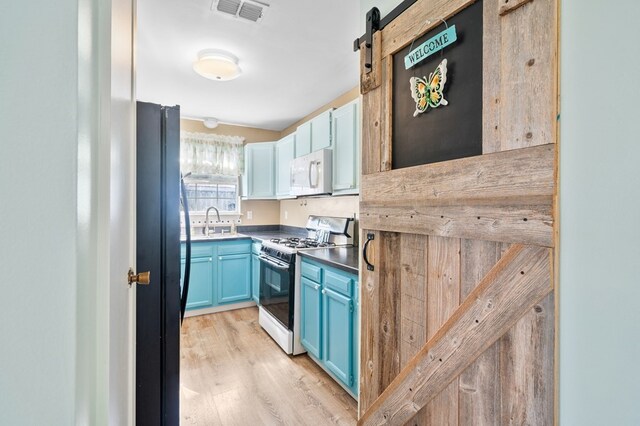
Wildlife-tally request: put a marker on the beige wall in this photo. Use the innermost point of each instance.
(337, 102)
(264, 212)
(297, 211)
(250, 134)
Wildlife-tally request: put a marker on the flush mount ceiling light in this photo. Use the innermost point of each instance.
(210, 122)
(217, 65)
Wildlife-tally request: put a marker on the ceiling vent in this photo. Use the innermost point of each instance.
(250, 10)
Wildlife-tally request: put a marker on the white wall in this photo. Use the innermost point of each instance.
(600, 213)
(38, 167)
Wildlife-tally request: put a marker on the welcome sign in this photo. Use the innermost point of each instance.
(431, 46)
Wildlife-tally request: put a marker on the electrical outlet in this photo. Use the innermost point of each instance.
(249, 214)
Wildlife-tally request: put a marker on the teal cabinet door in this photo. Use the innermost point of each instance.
(311, 316)
(260, 170)
(255, 278)
(234, 278)
(346, 148)
(285, 152)
(303, 139)
(201, 282)
(338, 335)
(321, 131)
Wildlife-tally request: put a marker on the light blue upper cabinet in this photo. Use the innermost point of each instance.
(346, 148)
(303, 139)
(321, 131)
(260, 170)
(285, 152)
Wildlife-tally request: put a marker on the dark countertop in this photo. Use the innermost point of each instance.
(345, 258)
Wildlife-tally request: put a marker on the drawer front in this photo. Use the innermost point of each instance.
(234, 248)
(340, 283)
(312, 272)
(197, 249)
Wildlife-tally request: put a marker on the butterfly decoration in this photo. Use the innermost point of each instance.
(428, 92)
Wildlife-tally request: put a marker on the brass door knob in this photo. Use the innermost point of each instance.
(143, 278)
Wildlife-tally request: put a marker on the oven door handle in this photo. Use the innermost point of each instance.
(272, 263)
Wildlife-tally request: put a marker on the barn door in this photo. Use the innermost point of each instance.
(457, 305)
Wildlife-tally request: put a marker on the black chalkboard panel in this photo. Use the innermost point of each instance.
(449, 131)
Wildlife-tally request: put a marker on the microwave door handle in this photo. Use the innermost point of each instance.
(312, 165)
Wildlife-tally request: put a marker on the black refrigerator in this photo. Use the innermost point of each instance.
(158, 251)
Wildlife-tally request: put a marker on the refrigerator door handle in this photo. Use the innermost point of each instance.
(187, 260)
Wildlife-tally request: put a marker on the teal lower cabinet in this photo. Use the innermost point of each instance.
(338, 335)
(329, 320)
(200, 288)
(311, 316)
(234, 278)
(220, 274)
(255, 272)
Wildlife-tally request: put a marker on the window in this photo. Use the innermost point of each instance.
(212, 191)
(213, 164)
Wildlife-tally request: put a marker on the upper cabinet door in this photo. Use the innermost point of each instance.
(260, 170)
(303, 139)
(321, 131)
(346, 148)
(285, 152)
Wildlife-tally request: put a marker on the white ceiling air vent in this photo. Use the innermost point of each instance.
(228, 6)
(251, 10)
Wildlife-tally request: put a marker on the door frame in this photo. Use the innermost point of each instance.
(101, 69)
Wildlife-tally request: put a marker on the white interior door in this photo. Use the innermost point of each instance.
(122, 216)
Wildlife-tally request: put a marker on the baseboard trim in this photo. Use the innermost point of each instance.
(217, 309)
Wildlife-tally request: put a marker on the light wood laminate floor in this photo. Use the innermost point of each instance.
(233, 373)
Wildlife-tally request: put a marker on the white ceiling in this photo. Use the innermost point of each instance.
(296, 59)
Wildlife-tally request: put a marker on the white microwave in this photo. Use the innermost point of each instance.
(311, 173)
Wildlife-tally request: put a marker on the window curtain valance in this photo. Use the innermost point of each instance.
(209, 154)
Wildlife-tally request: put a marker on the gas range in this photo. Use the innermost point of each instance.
(292, 244)
(280, 277)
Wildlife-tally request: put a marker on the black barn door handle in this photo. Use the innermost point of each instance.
(370, 238)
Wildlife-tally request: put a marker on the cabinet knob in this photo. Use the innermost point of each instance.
(324, 291)
(317, 286)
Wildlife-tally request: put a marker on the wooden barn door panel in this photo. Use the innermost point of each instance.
(439, 229)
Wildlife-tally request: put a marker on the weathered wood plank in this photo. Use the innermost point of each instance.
(491, 58)
(380, 318)
(370, 350)
(413, 22)
(479, 400)
(371, 131)
(518, 281)
(372, 79)
(521, 175)
(526, 225)
(414, 260)
(387, 128)
(527, 367)
(507, 6)
(443, 299)
(529, 74)
(390, 321)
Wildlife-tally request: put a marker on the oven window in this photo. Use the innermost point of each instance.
(276, 292)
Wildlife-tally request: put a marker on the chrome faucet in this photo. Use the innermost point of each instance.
(205, 230)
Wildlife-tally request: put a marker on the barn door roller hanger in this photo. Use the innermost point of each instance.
(373, 24)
